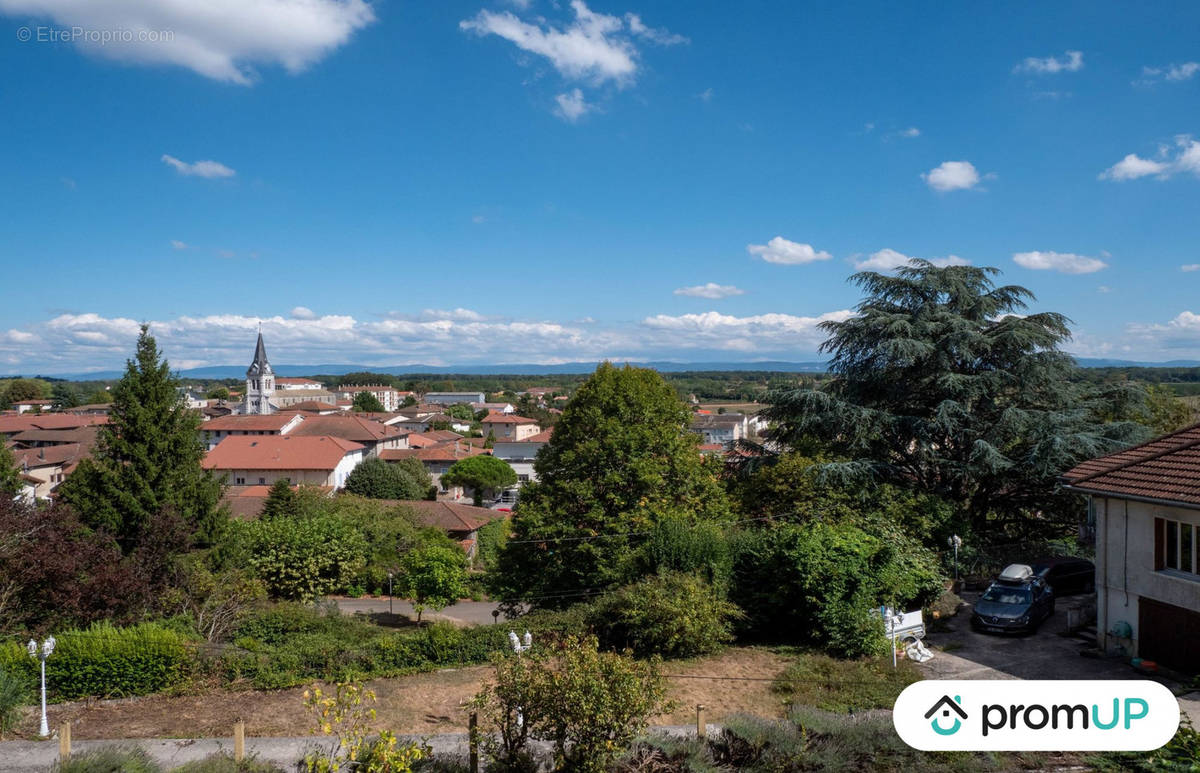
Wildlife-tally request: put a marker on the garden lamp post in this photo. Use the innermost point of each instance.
(955, 542)
(41, 654)
(519, 646)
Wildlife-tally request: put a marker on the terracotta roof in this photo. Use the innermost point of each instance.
(278, 452)
(1165, 469)
(506, 418)
(541, 437)
(354, 428)
(274, 422)
(33, 402)
(442, 452)
(247, 502)
(67, 455)
(296, 381)
(10, 425)
(450, 516)
(85, 435)
(312, 406)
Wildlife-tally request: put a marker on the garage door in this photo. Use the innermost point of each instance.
(1169, 635)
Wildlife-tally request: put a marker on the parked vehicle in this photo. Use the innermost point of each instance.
(1066, 574)
(1018, 600)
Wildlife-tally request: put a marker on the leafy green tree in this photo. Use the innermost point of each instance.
(1165, 412)
(940, 384)
(434, 577)
(622, 458)
(218, 393)
(377, 479)
(281, 501)
(672, 615)
(10, 479)
(64, 395)
(100, 397)
(303, 559)
(482, 474)
(460, 411)
(818, 582)
(147, 459)
(408, 401)
(367, 402)
(26, 389)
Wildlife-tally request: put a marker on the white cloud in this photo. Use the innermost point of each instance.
(593, 47)
(710, 290)
(706, 95)
(1133, 166)
(1071, 61)
(952, 176)
(911, 131)
(209, 169)
(219, 39)
(1190, 267)
(1174, 72)
(761, 332)
(1062, 262)
(303, 312)
(660, 36)
(478, 219)
(84, 342)
(782, 251)
(1104, 289)
(178, 245)
(571, 106)
(888, 259)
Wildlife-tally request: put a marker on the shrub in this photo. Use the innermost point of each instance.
(482, 473)
(673, 615)
(680, 546)
(303, 559)
(489, 541)
(589, 704)
(109, 759)
(106, 661)
(377, 479)
(844, 685)
(223, 762)
(15, 691)
(819, 582)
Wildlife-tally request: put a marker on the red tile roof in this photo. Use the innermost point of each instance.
(274, 422)
(311, 406)
(67, 455)
(442, 452)
(296, 381)
(1164, 469)
(451, 516)
(506, 418)
(354, 428)
(10, 425)
(246, 502)
(278, 452)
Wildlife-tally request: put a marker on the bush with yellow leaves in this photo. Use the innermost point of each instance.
(344, 715)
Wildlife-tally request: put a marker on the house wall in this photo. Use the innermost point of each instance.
(335, 477)
(509, 431)
(1125, 567)
(519, 456)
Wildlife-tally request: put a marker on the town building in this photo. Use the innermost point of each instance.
(506, 426)
(520, 454)
(1144, 508)
(387, 396)
(288, 384)
(263, 460)
(452, 398)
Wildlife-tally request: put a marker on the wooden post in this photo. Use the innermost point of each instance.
(701, 725)
(473, 741)
(64, 741)
(239, 740)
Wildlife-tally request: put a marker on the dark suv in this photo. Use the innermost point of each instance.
(1067, 574)
(1018, 600)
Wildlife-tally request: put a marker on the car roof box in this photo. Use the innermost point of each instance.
(1016, 573)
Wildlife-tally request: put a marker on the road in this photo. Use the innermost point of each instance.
(462, 613)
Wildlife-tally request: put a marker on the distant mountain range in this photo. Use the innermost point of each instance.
(218, 372)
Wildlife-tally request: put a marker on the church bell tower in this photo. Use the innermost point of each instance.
(260, 381)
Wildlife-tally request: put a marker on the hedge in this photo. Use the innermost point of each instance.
(105, 661)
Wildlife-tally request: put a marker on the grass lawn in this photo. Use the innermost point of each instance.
(841, 686)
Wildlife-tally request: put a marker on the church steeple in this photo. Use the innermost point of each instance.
(260, 381)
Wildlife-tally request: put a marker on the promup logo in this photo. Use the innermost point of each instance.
(949, 704)
(1018, 715)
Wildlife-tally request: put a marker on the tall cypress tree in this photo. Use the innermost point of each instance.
(10, 481)
(146, 465)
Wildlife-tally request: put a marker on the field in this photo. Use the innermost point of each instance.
(424, 703)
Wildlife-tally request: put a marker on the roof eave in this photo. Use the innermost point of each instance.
(1132, 497)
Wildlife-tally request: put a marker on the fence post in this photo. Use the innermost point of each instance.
(239, 740)
(701, 725)
(64, 741)
(473, 741)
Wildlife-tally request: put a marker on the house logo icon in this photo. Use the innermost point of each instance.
(945, 706)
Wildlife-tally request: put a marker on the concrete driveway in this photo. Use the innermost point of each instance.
(1050, 653)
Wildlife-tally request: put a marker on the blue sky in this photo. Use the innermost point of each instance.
(456, 183)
